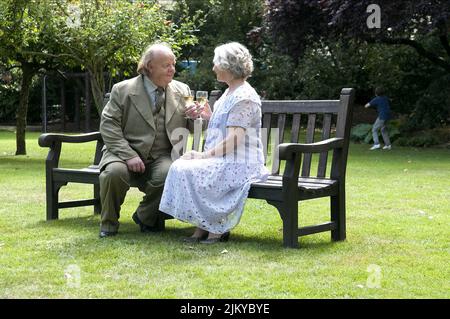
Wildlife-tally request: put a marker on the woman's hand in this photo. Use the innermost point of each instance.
(195, 111)
(206, 112)
(193, 155)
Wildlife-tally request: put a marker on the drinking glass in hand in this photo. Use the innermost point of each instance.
(202, 98)
(188, 101)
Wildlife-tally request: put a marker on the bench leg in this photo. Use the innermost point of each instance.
(97, 207)
(289, 215)
(52, 195)
(338, 216)
(290, 225)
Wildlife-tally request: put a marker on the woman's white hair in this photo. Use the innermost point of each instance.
(235, 58)
(150, 52)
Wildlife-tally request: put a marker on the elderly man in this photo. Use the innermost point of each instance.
(136, 126)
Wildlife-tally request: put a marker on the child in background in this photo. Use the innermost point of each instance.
(381, 102)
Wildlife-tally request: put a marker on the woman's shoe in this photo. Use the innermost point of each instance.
(223, 238)
(196, 239)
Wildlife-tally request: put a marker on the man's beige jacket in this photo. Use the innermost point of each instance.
(127, 123)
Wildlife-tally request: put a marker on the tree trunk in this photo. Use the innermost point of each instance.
(21, 114)
(97, 87)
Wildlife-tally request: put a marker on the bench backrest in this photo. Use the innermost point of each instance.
(310, 121)
(297, 121)
(304, 121)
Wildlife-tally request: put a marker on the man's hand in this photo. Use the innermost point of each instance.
(136, 165)
(193, 110)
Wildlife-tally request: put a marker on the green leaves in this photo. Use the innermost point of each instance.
(106, 36)
(98, 36)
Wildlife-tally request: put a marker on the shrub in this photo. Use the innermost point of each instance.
(432, 108)
(418, 141)
(425, 138)
(359, 132)
(362, 133)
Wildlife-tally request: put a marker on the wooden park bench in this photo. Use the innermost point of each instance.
(327, 129)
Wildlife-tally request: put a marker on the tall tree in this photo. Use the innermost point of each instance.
(292, 24)
(407, 23)
(99, 36)
(104, 35)
(23, 26)
(225, 21)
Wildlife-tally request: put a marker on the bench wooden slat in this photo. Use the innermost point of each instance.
(295, 128)
(213, 97)
(306, 167)
(305, 186)
(265, 133)
(78, 203)
(323, 157)
(308, 230)
(313, 180)
(197, 135)
(87, 170)
(267, 194)
(279, 139)
(273, 183)
(290, 107)
(84, 175)
(273, 190)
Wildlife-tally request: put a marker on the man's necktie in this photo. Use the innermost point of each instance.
(159, 99)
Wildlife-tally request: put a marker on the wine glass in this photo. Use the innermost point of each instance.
(202, 98)
(188, 101)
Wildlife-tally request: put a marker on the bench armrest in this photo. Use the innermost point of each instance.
(287, 150)
(48, 139)
(54, 142)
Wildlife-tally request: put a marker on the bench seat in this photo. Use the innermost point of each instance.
(308, 188)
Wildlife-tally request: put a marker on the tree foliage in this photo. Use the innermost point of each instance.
(333, 44)
(24, 27)
(225, 21)
(105, 35)
(292, 24)
(100, 36)
(402, 22)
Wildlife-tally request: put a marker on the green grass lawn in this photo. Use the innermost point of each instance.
(397, 245)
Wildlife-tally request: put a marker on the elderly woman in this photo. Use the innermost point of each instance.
(208, 189)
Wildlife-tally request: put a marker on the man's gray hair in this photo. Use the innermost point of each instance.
(235, 58)
(149, 53)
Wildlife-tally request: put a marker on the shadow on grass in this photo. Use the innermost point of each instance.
(174, 235)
